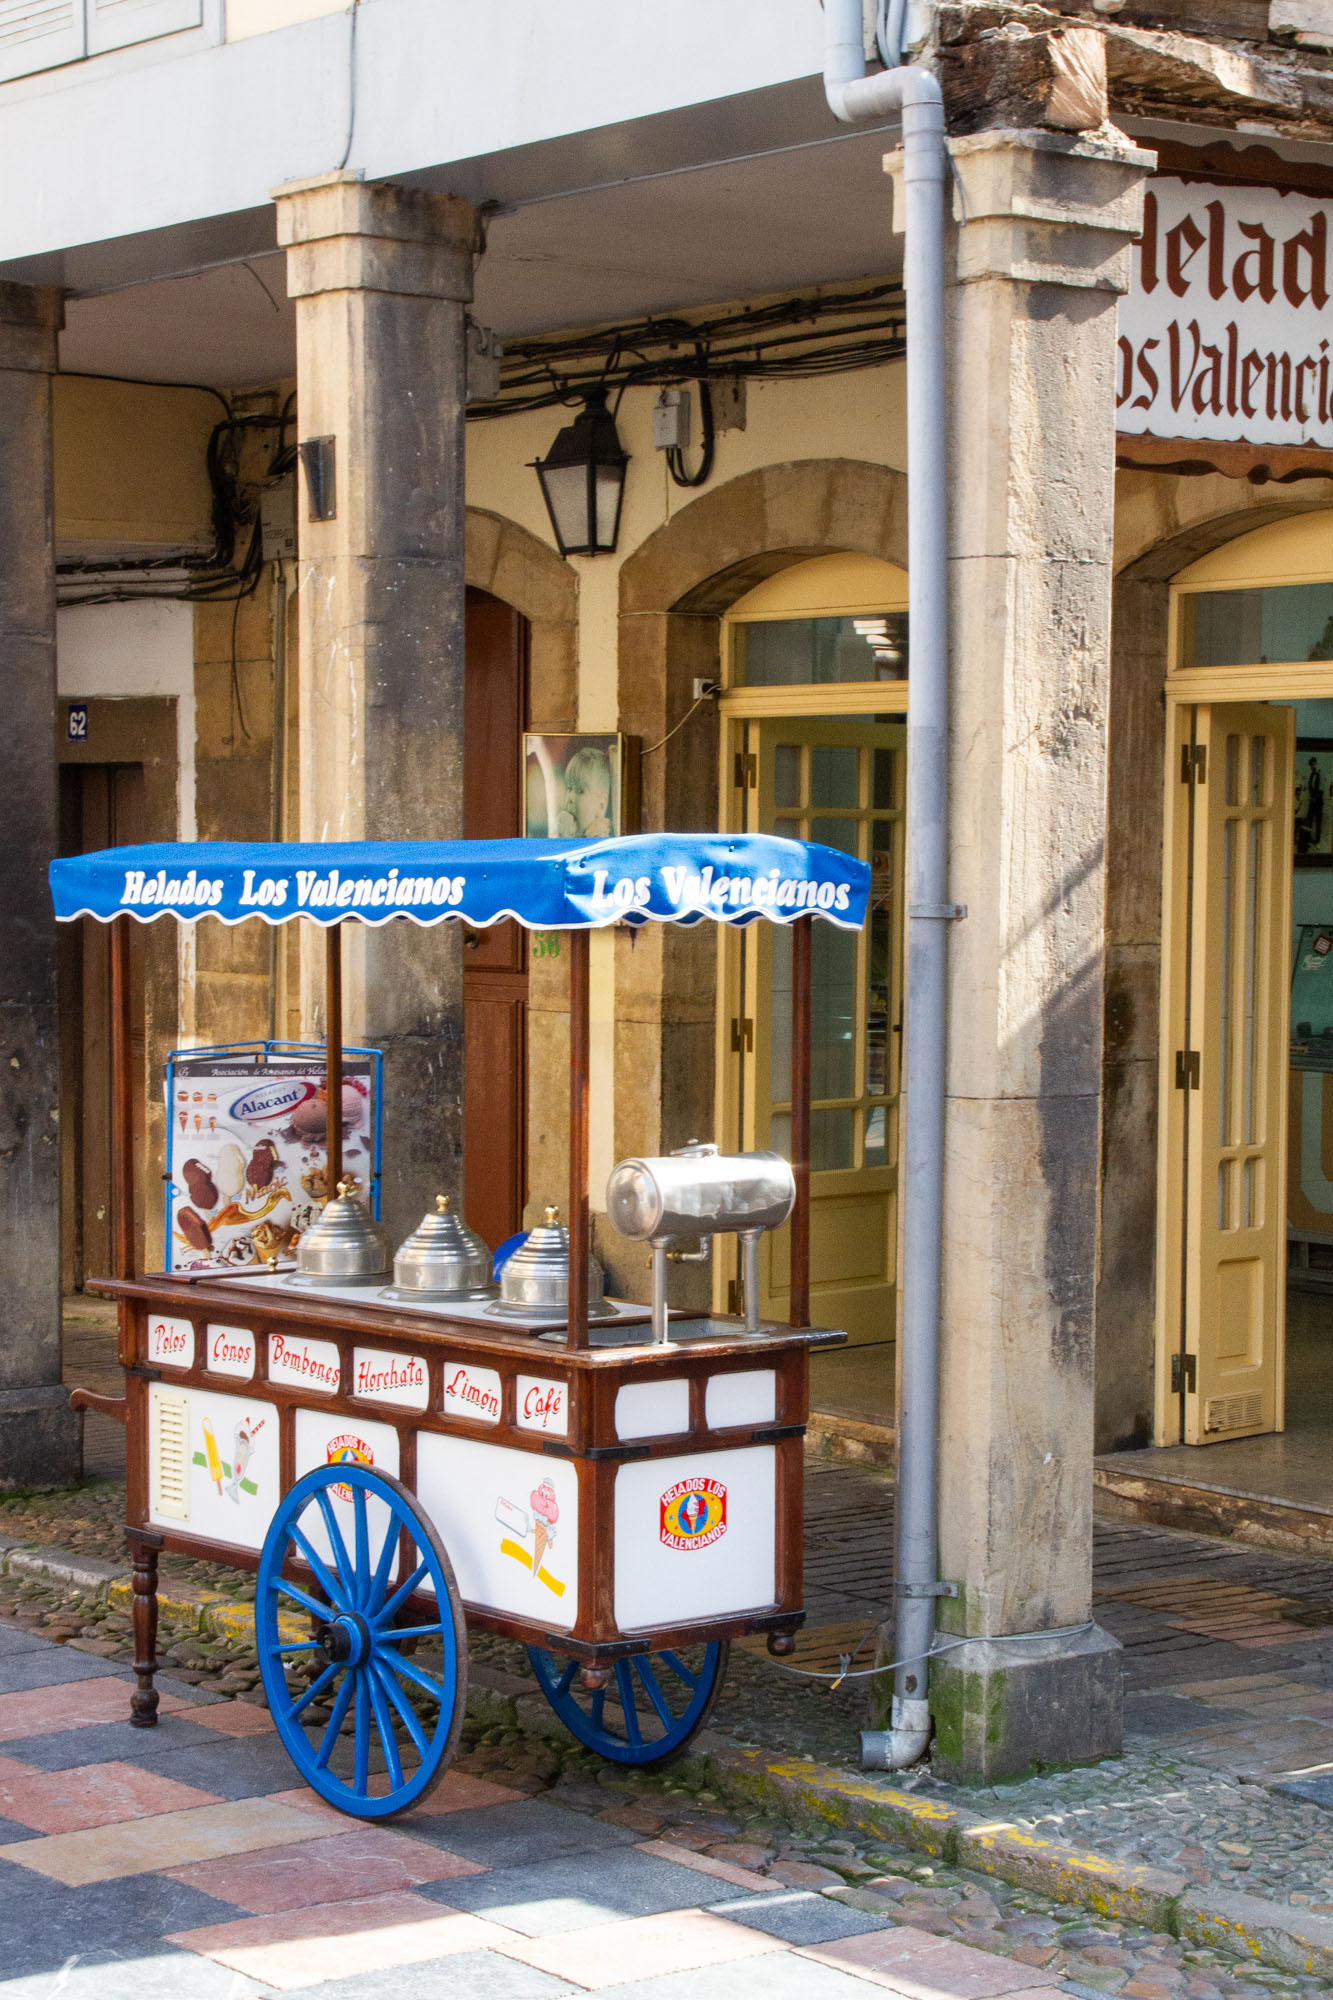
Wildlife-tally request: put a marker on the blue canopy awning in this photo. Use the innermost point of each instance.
(673, 878)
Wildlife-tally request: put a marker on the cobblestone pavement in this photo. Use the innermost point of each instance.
(184, 1859)
(1227, 1775)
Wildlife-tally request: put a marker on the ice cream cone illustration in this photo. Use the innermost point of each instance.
(242, 1453)
(545, 1514)
(214, 1459)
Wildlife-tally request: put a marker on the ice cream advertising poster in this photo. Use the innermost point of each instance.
(247, 1155)
(509, 1520)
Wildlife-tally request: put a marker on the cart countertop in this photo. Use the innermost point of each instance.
(627, 1340)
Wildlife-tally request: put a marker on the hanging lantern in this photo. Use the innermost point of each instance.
(583, 480)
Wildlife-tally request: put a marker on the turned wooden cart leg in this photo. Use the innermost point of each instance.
(143, 1702)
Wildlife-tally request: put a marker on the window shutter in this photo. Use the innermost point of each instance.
(38, 34)
(115, 24)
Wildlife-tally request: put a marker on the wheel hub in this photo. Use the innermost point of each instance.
(346, 1640)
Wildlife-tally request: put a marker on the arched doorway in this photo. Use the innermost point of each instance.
(1245, 1192)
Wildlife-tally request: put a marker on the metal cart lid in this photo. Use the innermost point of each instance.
(674, 878)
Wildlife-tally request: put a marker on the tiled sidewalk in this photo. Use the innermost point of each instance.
(183, 1861)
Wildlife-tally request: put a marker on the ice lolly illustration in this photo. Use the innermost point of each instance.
(545, 1514)
(242, 1453)
(211, 1453)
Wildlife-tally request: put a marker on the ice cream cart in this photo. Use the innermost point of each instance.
(620, 1488)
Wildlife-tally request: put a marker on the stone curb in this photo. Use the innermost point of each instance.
(1290, 1940)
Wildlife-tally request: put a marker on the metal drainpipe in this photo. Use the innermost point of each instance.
(852, 95)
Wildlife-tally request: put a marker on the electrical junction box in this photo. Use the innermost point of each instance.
(728, 393)
(484, 354)
(277, 521)
(671, 420)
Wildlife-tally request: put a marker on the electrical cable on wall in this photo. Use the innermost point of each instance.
(214, 576)
(820, 333)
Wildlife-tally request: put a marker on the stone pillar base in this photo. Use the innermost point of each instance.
(41, 1439)
(1010, 1709)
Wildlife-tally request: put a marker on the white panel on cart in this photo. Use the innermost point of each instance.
(541, 1405)
(305, 1364)
(695, 1537)
(170, 1342)
(325, 1439)
(652, 1409)
(229, 1350)
(510, 1521)
(230, 1451)
(745, 1397)
(379, 1376)
(472, 1393)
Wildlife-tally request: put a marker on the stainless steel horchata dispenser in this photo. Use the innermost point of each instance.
(441, 1259)
(534, 1284)
(345, 1247)
(698, 1191)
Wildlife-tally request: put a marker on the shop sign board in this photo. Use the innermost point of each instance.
(230, 1351)
(383, 1377)
(1224, 333)
(541, 1405)
(170, 1342)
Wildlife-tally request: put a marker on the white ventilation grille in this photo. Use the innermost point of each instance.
(1233, 1413)
(169, 1456)
(114, 24)
(38, 34)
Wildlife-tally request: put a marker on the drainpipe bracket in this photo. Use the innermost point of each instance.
(945, 913)
(925, 1589)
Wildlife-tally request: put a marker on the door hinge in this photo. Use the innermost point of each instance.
(1193, 763)
(747, 770)
(1184, 1377)
(1187, 1069)
(742, 1035)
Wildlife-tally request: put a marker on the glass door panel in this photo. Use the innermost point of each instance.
(839, 782)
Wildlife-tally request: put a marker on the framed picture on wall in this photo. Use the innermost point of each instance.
(1312, 828)
(580, 787)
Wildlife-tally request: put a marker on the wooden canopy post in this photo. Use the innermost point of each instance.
(802, 938)
(579, 1037)
(333, 1053)
(122, 1099)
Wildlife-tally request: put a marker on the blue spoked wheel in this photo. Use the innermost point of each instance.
(651, 1706)
(361, 1640)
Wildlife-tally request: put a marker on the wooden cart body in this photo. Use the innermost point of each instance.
(595, 1491)
(476, 1418)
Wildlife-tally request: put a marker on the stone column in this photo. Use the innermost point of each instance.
(381, 276)
(1041, 251)
(40, 1436)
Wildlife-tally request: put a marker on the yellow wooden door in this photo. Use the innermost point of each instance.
(840, 782)
(1224, 1072)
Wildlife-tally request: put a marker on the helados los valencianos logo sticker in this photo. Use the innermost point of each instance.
(348, 1450)
(693, 1513)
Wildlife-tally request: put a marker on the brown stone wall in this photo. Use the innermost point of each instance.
(514, 565)
(233, 652)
